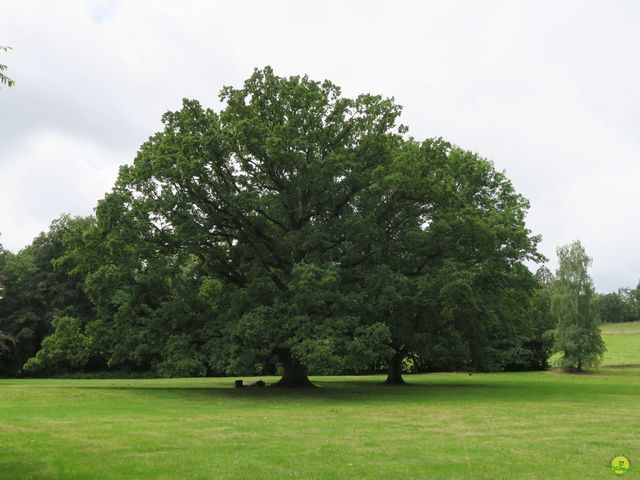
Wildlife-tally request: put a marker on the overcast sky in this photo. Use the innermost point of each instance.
(548, 90)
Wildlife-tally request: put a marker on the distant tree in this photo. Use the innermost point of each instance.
(7, 343)
(544, 276)
(577, 334)
(635, 295)
(631, 310)
(609, 306)
(614, 308)
(4, 79)
(36, 291)
(4, 254)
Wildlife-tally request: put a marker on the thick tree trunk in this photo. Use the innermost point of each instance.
(394, 376)
(294, 374)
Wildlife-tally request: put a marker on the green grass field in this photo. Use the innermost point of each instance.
(539, 425)
(623, 344)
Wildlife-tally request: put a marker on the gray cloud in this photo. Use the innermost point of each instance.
(547, 90)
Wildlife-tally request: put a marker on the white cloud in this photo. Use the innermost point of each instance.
(52, 174)
(547, 90)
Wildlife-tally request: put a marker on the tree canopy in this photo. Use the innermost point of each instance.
(294, 231)
(330, 239)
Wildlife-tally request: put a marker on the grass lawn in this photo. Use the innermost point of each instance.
(623, 343)
(539, 425)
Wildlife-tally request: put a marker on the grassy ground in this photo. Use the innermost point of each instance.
(623, 343)
(540, 425)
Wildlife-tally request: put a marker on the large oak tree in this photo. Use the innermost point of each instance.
(267, 195)
(327, 240)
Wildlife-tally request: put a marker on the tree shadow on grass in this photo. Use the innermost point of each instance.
(353, 390)
(525, 387)
(325, 389)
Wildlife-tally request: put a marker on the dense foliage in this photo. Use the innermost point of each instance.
(34, 292)
(296, 229)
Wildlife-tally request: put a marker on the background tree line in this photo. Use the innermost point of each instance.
(295, 231)
(620, 306)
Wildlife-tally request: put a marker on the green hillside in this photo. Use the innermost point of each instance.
(623, 343)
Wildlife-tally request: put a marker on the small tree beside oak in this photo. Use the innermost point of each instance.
(577, 334)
